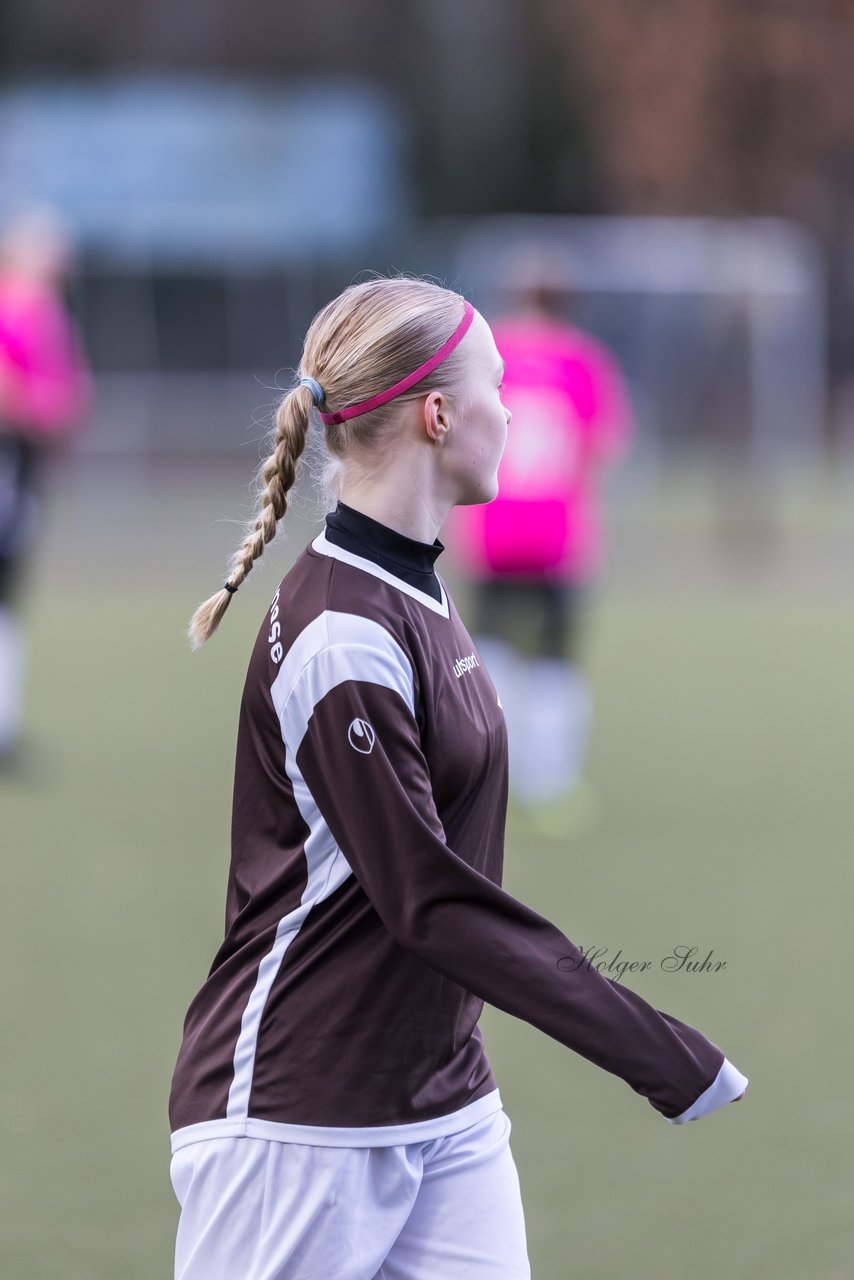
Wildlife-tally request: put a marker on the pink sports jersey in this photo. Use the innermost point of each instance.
(570, 414)
(45, 386)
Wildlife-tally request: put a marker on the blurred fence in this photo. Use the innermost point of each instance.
(719, 326)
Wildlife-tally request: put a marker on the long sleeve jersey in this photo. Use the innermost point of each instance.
(365, 922)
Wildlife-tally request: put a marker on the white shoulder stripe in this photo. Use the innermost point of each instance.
(322, 545)
(333, 648)
(336, 647)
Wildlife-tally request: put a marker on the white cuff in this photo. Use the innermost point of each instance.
(728, 1085)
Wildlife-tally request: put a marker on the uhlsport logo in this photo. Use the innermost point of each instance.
(462, 665)
(361, 736)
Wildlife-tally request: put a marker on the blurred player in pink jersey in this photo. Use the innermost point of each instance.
(45, 389)
(535, 551)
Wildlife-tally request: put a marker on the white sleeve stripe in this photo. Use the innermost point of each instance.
(309, 642)
(332, 649)
(329, 669)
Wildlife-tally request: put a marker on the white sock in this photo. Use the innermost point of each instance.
(580, 719)
(552, 746)
(11, 678)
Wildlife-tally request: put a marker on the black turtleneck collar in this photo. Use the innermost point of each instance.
(407, 559)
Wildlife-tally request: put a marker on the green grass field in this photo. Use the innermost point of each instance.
(722, 759)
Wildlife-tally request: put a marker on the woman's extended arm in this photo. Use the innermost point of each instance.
(378, 805)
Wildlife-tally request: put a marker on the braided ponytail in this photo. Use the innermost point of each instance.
(275, 478)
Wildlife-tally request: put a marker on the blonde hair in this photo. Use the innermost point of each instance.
(371, 336)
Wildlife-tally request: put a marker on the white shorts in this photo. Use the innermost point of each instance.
(450, 1208)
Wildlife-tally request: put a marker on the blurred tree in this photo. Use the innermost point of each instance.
(724, 107)
(644, 105)
(677, 106)
(491, 130)
(462, 69)
(732, 106)
(10, 26)
(563, 149)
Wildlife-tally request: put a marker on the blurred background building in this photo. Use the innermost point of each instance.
(226, 173)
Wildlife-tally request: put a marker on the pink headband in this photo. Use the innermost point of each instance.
(365, 406)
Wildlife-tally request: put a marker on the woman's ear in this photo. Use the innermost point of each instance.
(436, 419)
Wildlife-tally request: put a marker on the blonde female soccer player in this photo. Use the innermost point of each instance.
(333, 1111)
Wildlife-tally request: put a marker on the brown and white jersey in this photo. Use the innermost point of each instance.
(365, 922)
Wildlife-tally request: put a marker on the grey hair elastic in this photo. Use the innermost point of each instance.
(317, 392)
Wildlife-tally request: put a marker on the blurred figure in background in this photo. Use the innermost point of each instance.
(534, 551)
(45, 389)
